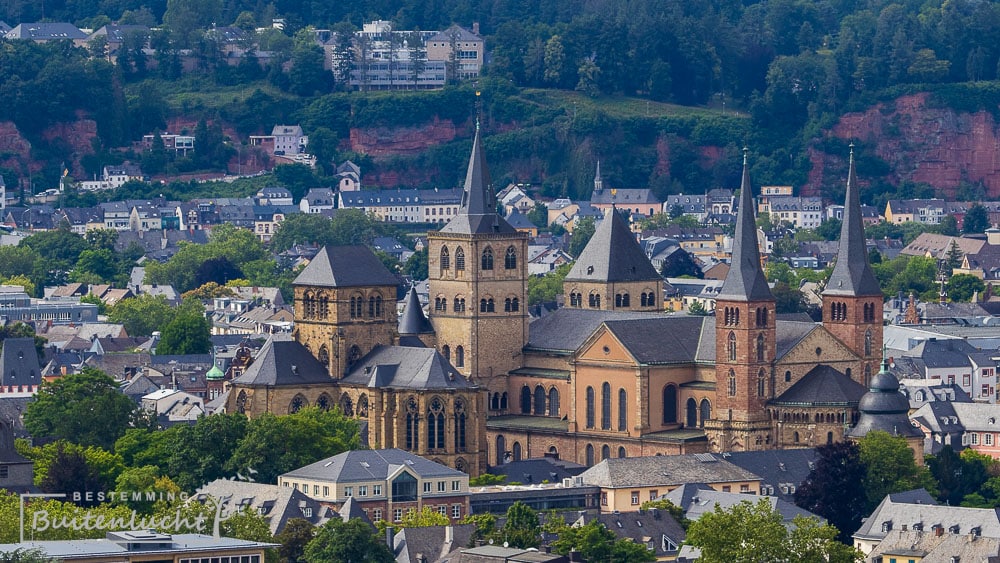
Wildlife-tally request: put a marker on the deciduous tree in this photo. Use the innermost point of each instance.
(353, 541)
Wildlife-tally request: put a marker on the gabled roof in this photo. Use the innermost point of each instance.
(745, 280)
(413, 320)
(346, 266)
(478, 214)
(653, 471)
(19, 363)
(456, 31)
(46, 31)
(776, 467)
(402, 367)
(567, 328)
(430, 541)
(852, 275)
(284, 362)
(822, 385)
(613, 255)
(276, 504)
(953, 519)
(705, 500)
(659, 340)
(368, 465)
(640, 526)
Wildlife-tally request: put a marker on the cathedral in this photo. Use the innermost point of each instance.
(475, 382)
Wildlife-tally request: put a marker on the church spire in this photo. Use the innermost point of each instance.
(852, 275)
(745, 280)
(478, 213)
(598, 181)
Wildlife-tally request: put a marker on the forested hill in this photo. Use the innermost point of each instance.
(792, 68)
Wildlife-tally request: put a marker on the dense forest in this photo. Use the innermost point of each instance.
(774, 75)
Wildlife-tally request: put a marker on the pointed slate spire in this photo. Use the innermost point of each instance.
(613, 255)
(478, 213)
(852, 275)
(745, 280)
(598, 181)
(414, 321)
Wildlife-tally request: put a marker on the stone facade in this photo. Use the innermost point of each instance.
(620, 296)
(857, 322)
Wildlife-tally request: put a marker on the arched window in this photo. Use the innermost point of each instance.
(525, 400)
(495, 401)
(868, 341)
(445, 259)
(357, 306)
(375, 306)
(539, 400)
(324, 305)
(605, 452)
(594, 301)
(459, 357)
(590, 455)
(324, 355)
(590, 407)
(309, 305)
(642, 300)
(324, 402)
(732, 383)
(298, 403)
(829, 438)
(441, 304)
(517, 451)
(622, 410)
(731, 346)
(795, 437)
(241, 402)
(501, 449)
(606, 406)
(435, 424)
(353, 355)
(363, 406)
(621, 300)
(510, 259)
(706, 412)
(691, 414)
(868, 374)
(487, 259)
(511, 305)
(503, 401)
(446, 352)
(575, 299)
(459, 259)
(760, 347)
(553, 402)
(788, 375)
(761, 384)
(669, 404)
(346, 405)
(459, 305)
(412, 424)
(621, 452)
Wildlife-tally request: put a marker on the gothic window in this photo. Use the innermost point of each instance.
(553, 402)
(575, 300)
(357, 306)
(501, 449)
(323, 402)
(363, 406)
(435, 424)
(375, 306)
(487, 259)
(868, 342)
(605, 452)
(732, 383)
(241, 402)
(590, 407)
(412, 424)
(459, 259)
(525, 400)
(692, 413)
(706, 412)
(539, 400)
(606, 406)
(353, 355)
(346, 405)
(309, 305)
(459, 305)
(669, 404)
(590, 455)
(761, 384)
(760, 347)
(324, 355)
(510, 259)
(298, 403)
(459, 425)
(446, 352)
(731, 347)
(445, 259)
(459, 357)
(324, 306)
(622, 410)
(868, 374)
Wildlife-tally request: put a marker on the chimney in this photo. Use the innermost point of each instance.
(389, 533)
(449, 534)
(475, 28)
(938, 530)
(575, 555)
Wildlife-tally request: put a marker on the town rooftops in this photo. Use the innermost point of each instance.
(368, 465)
(47, 31)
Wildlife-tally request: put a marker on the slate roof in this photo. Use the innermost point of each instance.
(478, 213)
(430, 541)
(284, 362)
(19, 363)
(944, 353)
(852, 275)
(7, 452)
(46, 31)
(536, 470)
(462, 35)
(653, 471)
(897, 513)
(822, 385)
(884, 408)
(613, 255)
(641, 527)
(276, 504)
(624, 196)
(745, 280)
(413, 320)
(659, 340)
(900, 545)
(776, 468)
(567, 328)
(368, 465)
(346, 266)
(402, 367)
(705, 500)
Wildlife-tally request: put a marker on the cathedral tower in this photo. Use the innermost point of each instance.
(852, 299)
(613, 273)
(745, 342)
(478, 283)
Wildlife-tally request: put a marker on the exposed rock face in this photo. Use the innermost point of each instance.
(940, 147)
(14, 149)
(78, 135)
(383, 141)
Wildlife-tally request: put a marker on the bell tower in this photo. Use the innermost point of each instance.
(745, 342)
(852, 299)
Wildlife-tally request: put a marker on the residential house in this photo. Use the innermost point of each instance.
(82, 219)
(405, 205)
(515, 196)
(781, 471)
(800, 212)
(686, 204)
(547, 260)
(698, 499)
(521, 223)
(960, 425)
(20, 372)
(641, 201)
(348, 177)
(277, 505)
(172, 406)
(44, 32)
(955, 362)
(273, 196)
(137, 546)
(386, 483)
(391, 246)
(284, 140)
(466, 48)
(430, 543)
(936, 246)
(544, 495)
(115, 36)
(16, 305)
(268, 217)
(928, 211)
(172, 142)
(903, 546)
(626, 483)
(4, 28)
(113, 177)
(656, 529)
(317, 200)
(16, 471)
(388, 59)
